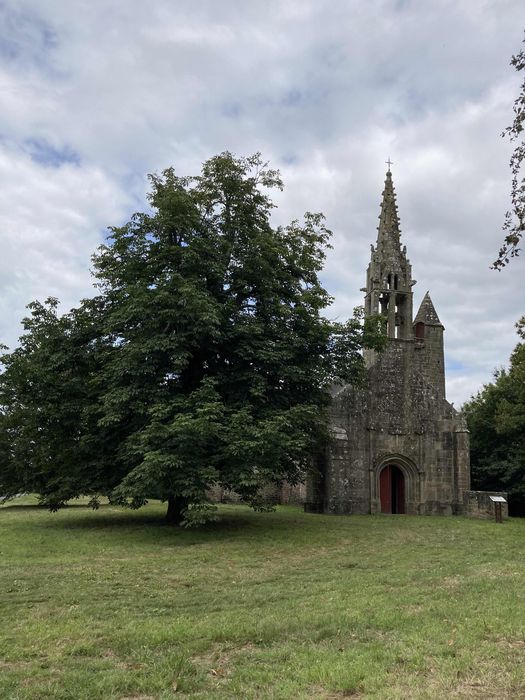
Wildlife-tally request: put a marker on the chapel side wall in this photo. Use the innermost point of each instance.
(347, 481)
(445, 444)
(439, 493)
(445, 465)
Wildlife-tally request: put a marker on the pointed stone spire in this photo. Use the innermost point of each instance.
(388, 229)
(427, 313)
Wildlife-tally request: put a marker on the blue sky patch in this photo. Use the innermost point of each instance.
(453, 366)
(46, 154)
(25, 37)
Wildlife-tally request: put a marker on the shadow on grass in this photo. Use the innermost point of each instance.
(234, 522)
(22, 506)
(38, 506)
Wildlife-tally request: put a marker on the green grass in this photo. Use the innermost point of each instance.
(113, 604)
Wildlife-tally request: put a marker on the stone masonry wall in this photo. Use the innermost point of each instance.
(397, 417)
(479, 505)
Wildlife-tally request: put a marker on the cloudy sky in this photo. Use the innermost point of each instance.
(96, 94)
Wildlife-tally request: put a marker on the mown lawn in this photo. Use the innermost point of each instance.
(114, 604)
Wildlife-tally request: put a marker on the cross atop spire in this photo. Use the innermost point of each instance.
(389, 163)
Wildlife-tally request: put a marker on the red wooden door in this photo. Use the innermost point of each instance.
(385, 489)
(392, 490)
(399, 491)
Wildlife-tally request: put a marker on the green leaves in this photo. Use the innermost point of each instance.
(48, 418)
(514, 224)
(496, 420)
(204, 359)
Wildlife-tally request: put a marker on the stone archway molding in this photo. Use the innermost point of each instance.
(412, 481)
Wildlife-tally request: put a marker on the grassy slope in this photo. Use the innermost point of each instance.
(112, 604)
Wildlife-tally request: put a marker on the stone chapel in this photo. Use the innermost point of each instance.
(398, 446)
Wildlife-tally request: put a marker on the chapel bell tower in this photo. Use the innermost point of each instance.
(389, 275)
(397, 446)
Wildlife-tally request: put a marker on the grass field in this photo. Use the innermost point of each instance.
(113, 604)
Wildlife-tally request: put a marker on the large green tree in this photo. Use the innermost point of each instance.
(50, 438)
(514, 225)
(205, 358)
(496, 420)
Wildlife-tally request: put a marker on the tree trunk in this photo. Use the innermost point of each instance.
(176, 507)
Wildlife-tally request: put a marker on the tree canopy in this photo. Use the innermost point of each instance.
(204, 358)
(496, 420)
(515, 218)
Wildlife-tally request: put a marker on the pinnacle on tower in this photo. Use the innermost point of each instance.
(388, 229)
(427, 313)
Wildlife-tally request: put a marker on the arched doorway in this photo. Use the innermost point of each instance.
(392, 490)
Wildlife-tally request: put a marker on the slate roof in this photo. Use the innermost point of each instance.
(427, 313)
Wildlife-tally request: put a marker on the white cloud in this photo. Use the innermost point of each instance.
(97, 94)
(51, 221)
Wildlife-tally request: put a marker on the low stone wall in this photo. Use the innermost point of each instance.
(478, 504)
(216, 494)
(274, 495)
(292, 494)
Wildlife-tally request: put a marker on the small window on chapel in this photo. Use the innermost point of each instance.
(420, 331)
